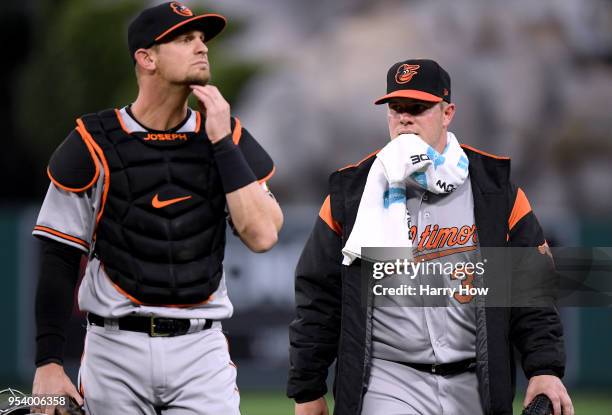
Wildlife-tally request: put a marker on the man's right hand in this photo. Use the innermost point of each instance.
(50, 379)
(318, 407)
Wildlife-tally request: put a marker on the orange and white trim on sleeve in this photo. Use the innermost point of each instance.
(61, 237)
(519, 210)
(326, 215)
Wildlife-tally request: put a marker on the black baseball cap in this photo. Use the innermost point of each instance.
(421, 79)
(161, 23)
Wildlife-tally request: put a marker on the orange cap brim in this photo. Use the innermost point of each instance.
(209, 35)
(408, 93)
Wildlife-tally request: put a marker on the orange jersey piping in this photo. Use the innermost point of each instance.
(62, 235)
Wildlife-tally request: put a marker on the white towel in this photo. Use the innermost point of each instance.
(381, 218)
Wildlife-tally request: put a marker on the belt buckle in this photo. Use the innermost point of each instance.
(433, 368)
(152, 331)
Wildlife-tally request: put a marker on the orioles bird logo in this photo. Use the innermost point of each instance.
(405, 73)
(181, 9)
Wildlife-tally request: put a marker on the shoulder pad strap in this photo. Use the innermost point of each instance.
(74, 166)
(259, 160)
(105, 120)
(110, 119)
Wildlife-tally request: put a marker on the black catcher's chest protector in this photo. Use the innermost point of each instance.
(161, 236)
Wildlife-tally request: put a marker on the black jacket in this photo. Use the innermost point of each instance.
(332, 322)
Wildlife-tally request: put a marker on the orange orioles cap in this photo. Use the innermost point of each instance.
(162, 23)
(421, 79)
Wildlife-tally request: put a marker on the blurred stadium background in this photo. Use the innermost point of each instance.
(531, 80)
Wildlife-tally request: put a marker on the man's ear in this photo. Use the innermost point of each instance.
(449, 113)
(145, 58)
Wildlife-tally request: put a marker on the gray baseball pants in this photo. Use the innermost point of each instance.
(125, 372)
(396, 389)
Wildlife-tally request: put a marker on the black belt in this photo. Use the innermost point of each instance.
(444, 369)
(153, 326)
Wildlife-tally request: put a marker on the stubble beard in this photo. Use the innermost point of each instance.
(200, 79)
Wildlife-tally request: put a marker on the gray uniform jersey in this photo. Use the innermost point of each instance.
(70, 218)
(442, 230)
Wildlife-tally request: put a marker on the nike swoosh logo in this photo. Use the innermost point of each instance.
(158, 204)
